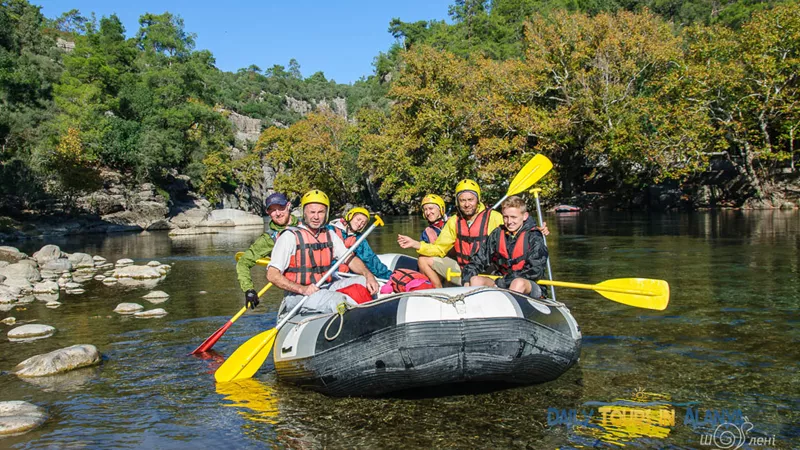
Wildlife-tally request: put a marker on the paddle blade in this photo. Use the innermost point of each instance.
(640, 292)
(208, 343)
(533, 171)
(248, 358)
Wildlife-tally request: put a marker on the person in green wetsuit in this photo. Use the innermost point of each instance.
(280, 212)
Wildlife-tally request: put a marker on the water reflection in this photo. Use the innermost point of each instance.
(255, 399)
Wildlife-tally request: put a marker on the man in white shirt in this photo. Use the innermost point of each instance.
(304, 253)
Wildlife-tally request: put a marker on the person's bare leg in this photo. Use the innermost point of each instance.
(478, 280)
(426, 267)
(520, 285)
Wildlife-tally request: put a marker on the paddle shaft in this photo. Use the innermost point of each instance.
(319, 284)
(595, 287)
(539, 218)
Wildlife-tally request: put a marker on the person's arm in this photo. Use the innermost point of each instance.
(372, 261)
(536, 259)
(482, 258)
(445, 241)
(285, 247)
(261, 248)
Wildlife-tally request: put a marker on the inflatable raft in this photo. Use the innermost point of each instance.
(428, 338)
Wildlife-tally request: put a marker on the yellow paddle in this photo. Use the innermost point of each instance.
(260, 261)
(249, 357)
(532, 172)
(639, 292)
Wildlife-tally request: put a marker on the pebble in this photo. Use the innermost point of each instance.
(152, 313)
(99, 277)
(17, 417)
(9, 320)
(52, 305)
(75, 291)
(128, 308)
(154, 264)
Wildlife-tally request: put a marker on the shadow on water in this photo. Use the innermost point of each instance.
(727, 344)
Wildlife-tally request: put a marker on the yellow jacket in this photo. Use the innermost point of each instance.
(447, 238)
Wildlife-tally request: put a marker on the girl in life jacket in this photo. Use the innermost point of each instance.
(349, 228)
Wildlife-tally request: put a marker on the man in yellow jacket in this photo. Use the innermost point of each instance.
(465, 233)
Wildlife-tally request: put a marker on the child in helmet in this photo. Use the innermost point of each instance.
(349, 229)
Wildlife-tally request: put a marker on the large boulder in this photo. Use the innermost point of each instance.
(81, 260)
(48, 253)
(58, 361)
(11, 254)
(237, 217)
(188, 215)
(20, 270)
(17, 417)
(46, 287)
(61, 265)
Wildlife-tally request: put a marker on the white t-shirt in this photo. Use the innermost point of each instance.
(286, 246)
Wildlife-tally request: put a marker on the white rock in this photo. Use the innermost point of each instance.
(158, 312)
(75, 291)
(124, 262)
(99, 277)
(18, 417)
(46, 287)
(156, 295)
(52, 305)
(30, 262)
(57, 361)
(26, 299)
(80, 260)
(2, 278)
(98, 259)
(109, 280)
(72, 285)
(47, 253)
(137, 272)
(20, 283)
(128, 308)
(81, 278)
(4, 263)
(166, 267)
(108, 273)
(9, 321)
(11, 254)
(49, 276)
(202, 292)
(30, 332)
(154, 264)
(21, 270)
(61, 265)
(238, 217)
(7, 296)
(106, 266)
(46, 297)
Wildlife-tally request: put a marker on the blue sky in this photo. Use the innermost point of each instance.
(339, 38)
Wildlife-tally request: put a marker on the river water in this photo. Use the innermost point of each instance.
(724, 356)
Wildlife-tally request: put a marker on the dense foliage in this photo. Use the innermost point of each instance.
(620, 95)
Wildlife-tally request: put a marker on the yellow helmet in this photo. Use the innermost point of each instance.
(436, 200)
(468, 185)
(354, 211)
(315, 196)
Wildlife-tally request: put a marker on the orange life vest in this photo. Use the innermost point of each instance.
(507, 264)
(349, 241)
(402, 277)
(469, 238)
(313, 256)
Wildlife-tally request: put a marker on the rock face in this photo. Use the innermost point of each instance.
(137, 272)
(30, 332)
(129, 207)
(58, 361)
(17, 417)
(233, 216)
(247, 128)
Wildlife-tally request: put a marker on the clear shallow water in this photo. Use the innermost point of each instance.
(727, 344)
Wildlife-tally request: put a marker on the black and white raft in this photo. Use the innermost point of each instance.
(428, 338)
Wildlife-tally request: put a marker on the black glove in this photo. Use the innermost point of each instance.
(251, 299)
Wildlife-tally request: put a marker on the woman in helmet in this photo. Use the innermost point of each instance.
(349, 229)
(433, 210)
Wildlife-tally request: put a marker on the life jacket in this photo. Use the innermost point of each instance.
(313, 256)
(407, 280)
(469, 238)
(349, 241)
(508, 264)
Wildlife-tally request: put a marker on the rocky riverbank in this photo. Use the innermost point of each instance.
(51, 276)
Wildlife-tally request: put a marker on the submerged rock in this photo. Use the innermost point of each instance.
(17, 417)
(156, 295)
(128, 308)
(64, 382)
(30, 332)
(58, 361)
(46, 297)
(152, 313)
